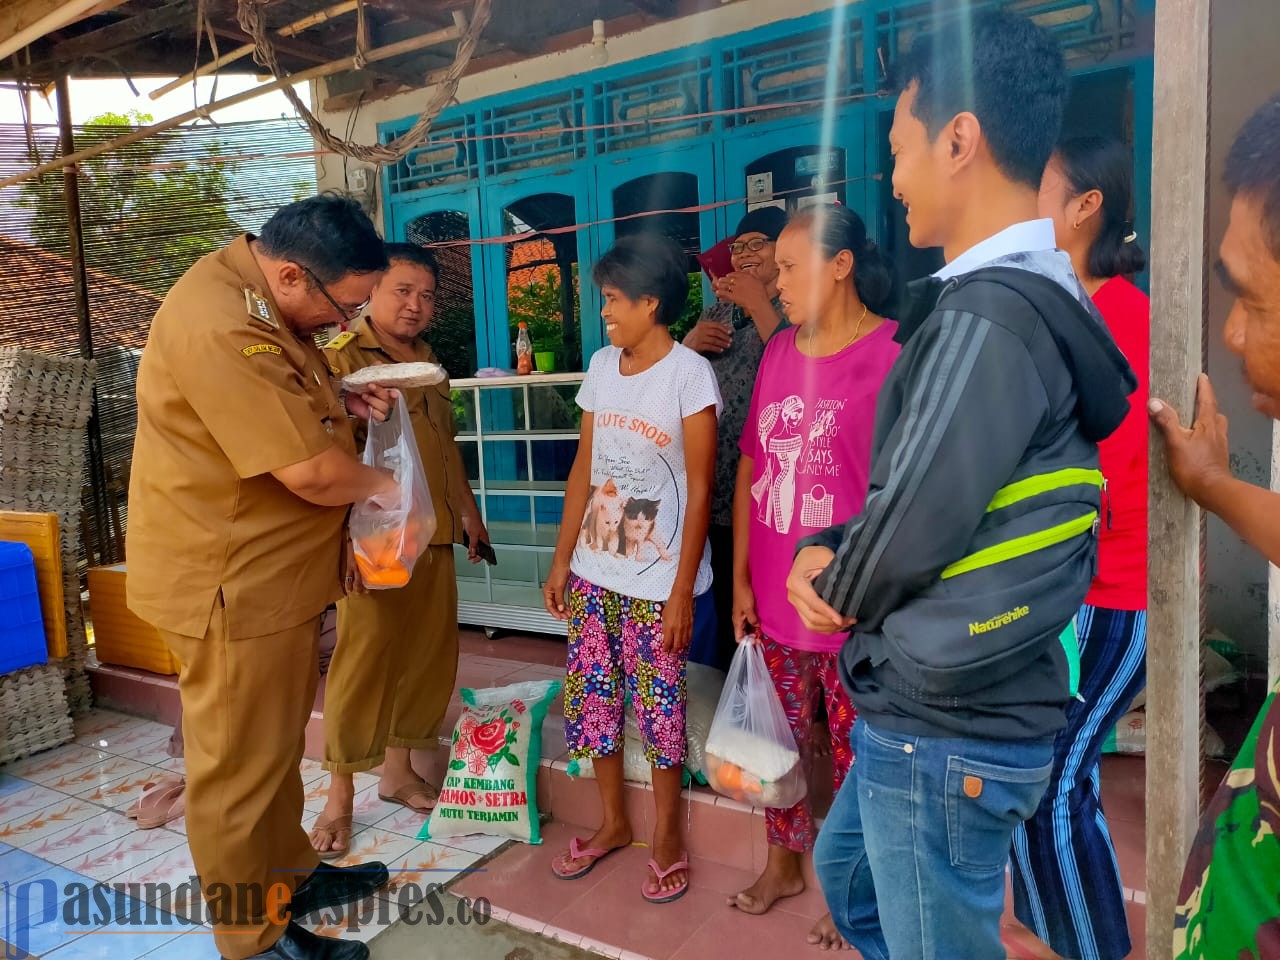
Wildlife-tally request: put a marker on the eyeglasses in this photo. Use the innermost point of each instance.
(349, 312)
(755, 245)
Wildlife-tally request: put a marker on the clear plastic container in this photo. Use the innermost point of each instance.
(524, 350)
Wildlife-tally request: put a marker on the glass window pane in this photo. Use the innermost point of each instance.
(452, 333)
(542, 278)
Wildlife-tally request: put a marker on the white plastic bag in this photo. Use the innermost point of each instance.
(751, 753)
(389, 537)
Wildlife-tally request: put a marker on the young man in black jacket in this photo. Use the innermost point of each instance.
(961, 577)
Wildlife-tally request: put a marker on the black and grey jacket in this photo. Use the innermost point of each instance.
(977, 542)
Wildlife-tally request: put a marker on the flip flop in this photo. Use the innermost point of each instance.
(162, 802)
(148, 789)
(669, 896)
(577, 852)
(336, 826)
(411, 790)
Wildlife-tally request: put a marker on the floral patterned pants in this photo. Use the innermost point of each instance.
(612, 639)
(801, 677)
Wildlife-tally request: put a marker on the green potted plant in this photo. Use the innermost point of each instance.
(544, 356)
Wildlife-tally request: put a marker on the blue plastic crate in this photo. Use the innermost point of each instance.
(22, 640)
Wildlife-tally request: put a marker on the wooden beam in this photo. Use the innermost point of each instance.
(417, 10)
(289, 30)
(1179, 273)
(310, 52)
(19, 15)
(125, 32)
(349, 100)
(23, 22)
(312, 73)
(368, 35)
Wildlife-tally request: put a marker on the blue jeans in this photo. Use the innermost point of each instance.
(912, 856)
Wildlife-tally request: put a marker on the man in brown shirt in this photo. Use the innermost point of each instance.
(397, 655)
(243, 469)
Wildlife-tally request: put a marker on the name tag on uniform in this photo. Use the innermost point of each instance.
(261, 348)
(259, 308)
(341, 340)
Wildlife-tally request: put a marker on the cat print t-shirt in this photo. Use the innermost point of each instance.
(629, 541)
(809, 434)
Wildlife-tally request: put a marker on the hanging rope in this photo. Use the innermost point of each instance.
(253, 21)
(362, 34)
(204, 28)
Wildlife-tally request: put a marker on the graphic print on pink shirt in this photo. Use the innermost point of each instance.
(808, 433)
(794, 460)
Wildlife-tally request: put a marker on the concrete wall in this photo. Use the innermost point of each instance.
(732, 17)
(1245, 72)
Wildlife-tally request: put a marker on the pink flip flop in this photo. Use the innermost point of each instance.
(162, 802)
(669, 896)
(577, 852)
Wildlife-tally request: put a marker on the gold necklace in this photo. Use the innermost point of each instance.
(856, 330)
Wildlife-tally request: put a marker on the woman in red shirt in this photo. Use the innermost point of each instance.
(1065, 879)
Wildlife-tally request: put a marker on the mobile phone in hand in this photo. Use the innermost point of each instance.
(485, 550)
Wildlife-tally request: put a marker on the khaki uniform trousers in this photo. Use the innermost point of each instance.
(245, 708)
(394, 667)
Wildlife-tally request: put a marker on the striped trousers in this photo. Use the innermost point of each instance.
(1066, 883)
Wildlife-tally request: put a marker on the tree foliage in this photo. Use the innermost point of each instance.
(144, 219)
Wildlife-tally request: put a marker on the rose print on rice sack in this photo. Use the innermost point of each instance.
(490, 783)
(492, 736)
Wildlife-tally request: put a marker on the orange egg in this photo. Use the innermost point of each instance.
(388, 573)
(729, 776)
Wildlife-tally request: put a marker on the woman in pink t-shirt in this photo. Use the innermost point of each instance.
(806, 454)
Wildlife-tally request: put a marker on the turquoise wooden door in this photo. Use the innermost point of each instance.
(635, 192)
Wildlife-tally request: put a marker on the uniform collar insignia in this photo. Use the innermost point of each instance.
(260, 308)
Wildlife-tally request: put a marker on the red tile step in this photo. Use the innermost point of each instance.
(726, 839)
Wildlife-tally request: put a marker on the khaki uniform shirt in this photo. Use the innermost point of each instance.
(226, 394)
(431, 412)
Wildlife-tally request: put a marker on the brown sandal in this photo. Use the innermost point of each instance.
(406, 793)
(337, 827)
(162, 802)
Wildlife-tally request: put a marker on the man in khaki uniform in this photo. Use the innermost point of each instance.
(396, 660)
(243, 470)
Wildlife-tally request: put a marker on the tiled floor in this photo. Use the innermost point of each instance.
(62, 819)
(586, 912)
(68, 817)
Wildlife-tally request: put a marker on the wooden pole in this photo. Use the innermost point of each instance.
(1179, 161)
(239, 53)
(75, 236)
(84, 326)
(323, 70)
